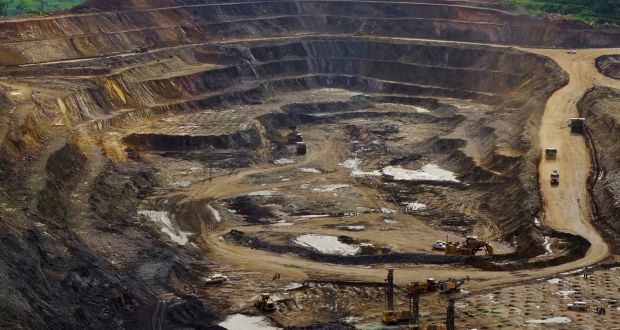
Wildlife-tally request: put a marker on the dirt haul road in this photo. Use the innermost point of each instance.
(567, 207)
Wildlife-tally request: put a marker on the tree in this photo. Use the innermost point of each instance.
(43, 5)
(21, 7)
(4, 5)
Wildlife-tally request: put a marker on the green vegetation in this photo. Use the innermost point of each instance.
(21, 7)
(591, 11)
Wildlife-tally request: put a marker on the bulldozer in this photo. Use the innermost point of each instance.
(265, 303)
(470, 247)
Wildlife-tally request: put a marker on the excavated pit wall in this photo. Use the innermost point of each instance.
(609, 65)
(108, 33)
(600, 106)
(484, 74)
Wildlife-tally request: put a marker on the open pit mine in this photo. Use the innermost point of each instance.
(308, 164)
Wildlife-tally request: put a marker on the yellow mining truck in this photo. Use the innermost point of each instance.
(555, 178)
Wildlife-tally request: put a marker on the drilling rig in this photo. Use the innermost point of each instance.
(414, 290)
(390, 316)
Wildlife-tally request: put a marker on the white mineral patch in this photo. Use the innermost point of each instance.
(284, 161)
(246, 322)
(576, 271)
(312, 216)
(388, 221)
(182, 184)
(551, 320)
(282, 224)
(414, 206)
(354, 228)
(215, 213)
(405, 107)
(262, 193)
(547, 245)
(564, 293)
(490, 297)
(327, 244)
(15, 93)
(293, 286)
(309, 170)
(554, 281)
(352, 319)
(354, 165)
(388, 211)
(429, 172)
(329, 187)
(536, 222)
(163, 219)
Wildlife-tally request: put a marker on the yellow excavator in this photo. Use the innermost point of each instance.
(470, 247)
(265, 304)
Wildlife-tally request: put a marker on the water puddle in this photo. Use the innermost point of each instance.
(246, 322)
(163, 219)
(327, 244)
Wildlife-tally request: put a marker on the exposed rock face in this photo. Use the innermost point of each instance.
(609, 65)
(601, 108)
(171, 24)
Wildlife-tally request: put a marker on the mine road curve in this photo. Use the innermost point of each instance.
(567, 207)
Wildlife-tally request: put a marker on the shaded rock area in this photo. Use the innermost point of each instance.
(609, 65)
(421, 258)
(601, 108)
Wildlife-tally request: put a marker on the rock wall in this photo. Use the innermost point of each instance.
(601, 107)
